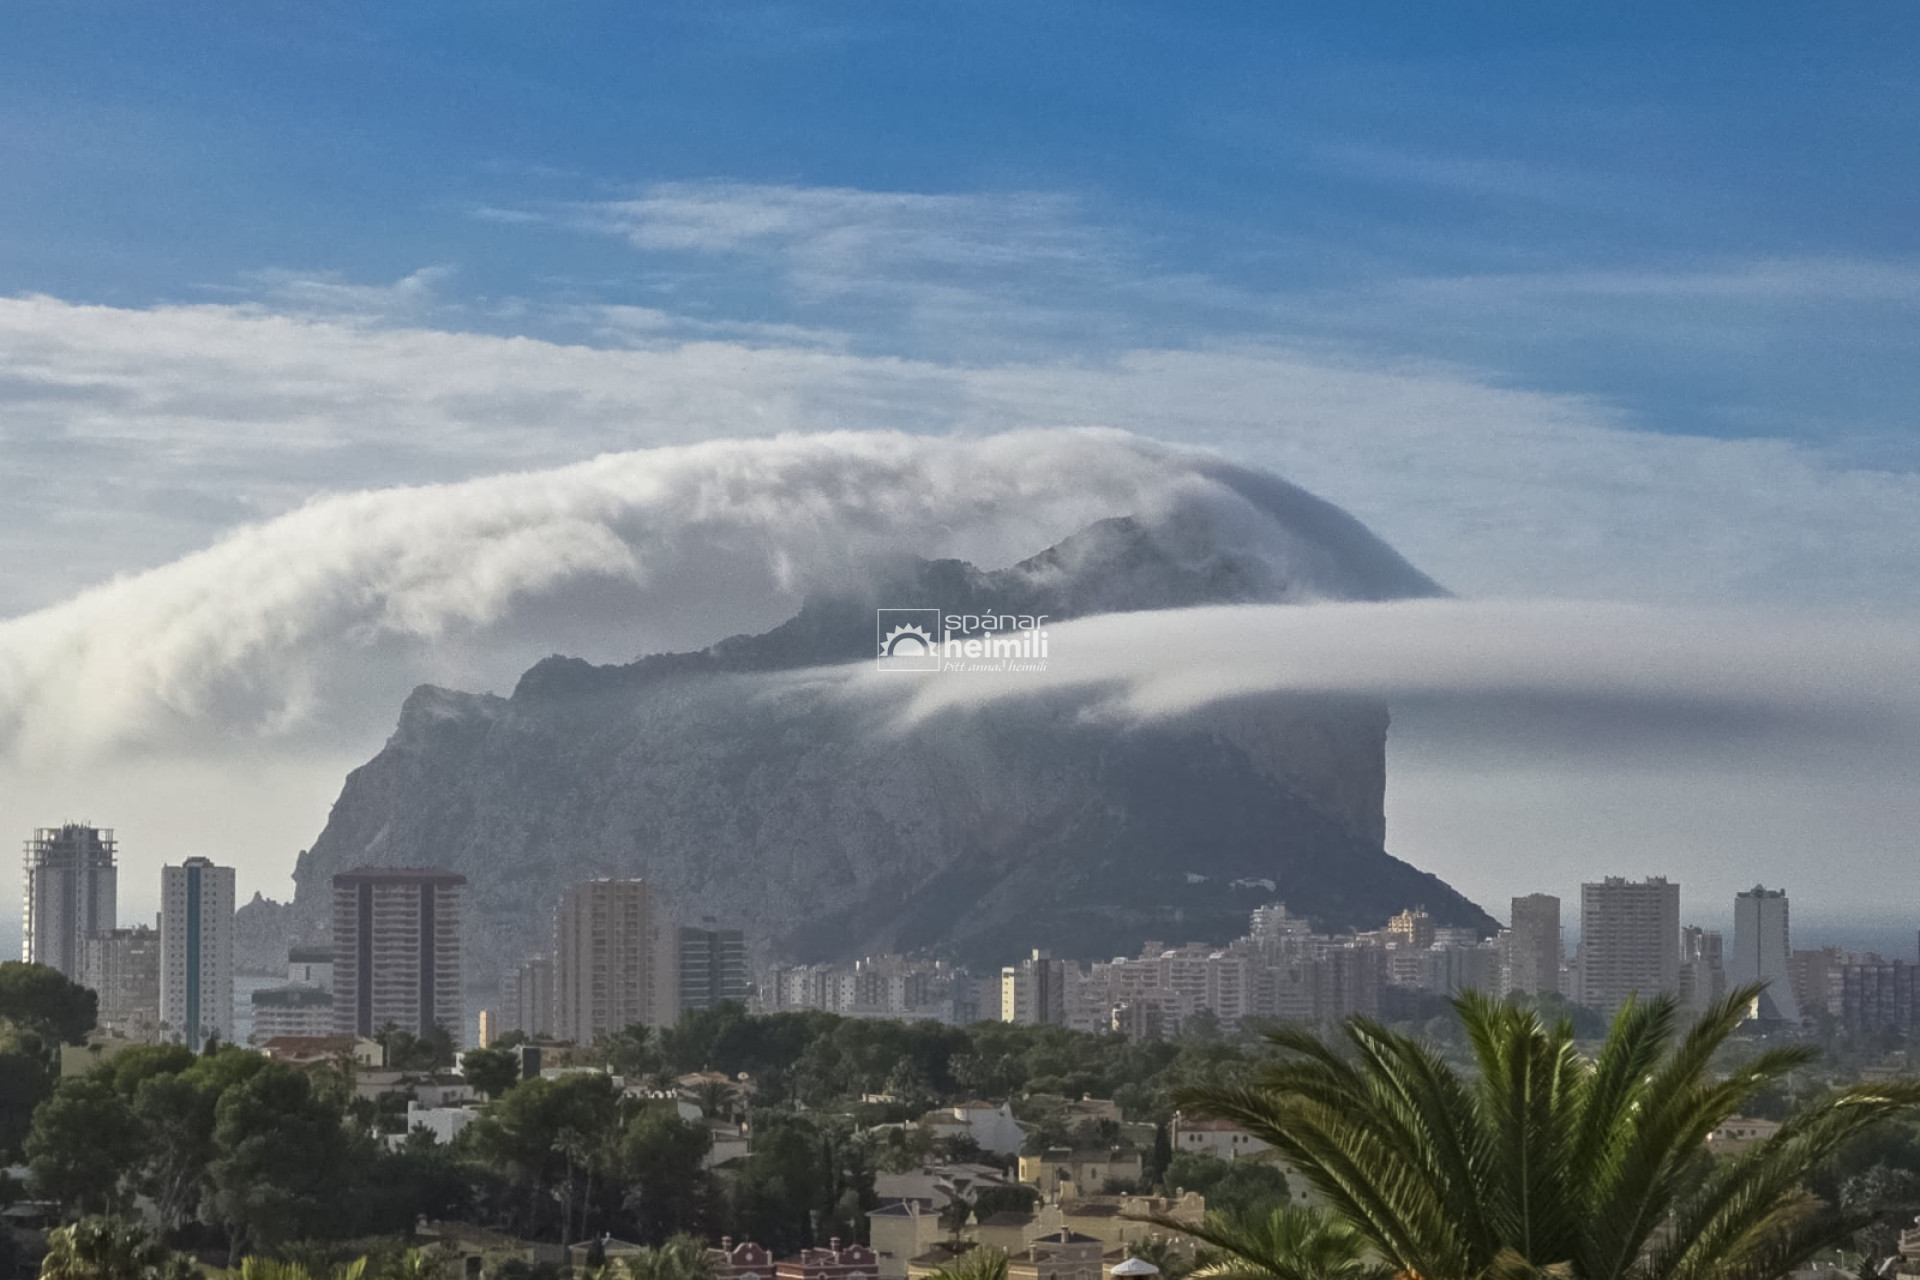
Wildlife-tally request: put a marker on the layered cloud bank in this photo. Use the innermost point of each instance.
(311, 626)
(136, 436)
(308, 628)
(1704, 674)
(213, 704)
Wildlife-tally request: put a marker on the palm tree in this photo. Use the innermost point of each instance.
(259, 1267)
(684, 1257)
(981, 1262)
(1290, 1243)
(1173, 1261)
(109, 1249)
(1551, 1162)
(414, 1264)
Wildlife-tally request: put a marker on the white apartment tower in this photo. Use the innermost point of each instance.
(613, 962)
(1629, 941)
(396, 951)
(196, 952)
(1533, 946)
(1760, 951)
(70, 887)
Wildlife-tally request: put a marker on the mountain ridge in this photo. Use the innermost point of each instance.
(748, 782)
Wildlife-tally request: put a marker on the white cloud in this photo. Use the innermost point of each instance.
(132, 437)
(316, 622)
(1804, 670)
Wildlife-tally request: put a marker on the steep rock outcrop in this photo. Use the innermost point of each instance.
(756, 785)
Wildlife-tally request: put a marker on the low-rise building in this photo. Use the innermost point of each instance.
(900, 1231)
(1058, 1255)
(468, 1250)
(1067, 1172)
(742, 1261)
(1908, 1268)
(444, 1123)
(835, 1262)
(302, 1051)
(1116, 1220)
(989, 1124)
(1739, 1133)
(292, 1010)
(1221, 1139)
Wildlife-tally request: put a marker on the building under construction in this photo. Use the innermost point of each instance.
(70, 890)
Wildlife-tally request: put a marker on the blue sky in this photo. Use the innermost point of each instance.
(1705, 216)
(1615, 303)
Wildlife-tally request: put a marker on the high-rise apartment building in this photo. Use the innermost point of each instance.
(1411, 929)
(713, 968)
(70, 894)
(396, 951)
(1629, 941)
(1533, 947)
(613, 960)
(1034, 991)
(196, 952)
(1703, 972)
(122, 967)
(526, 999)
(1761, 951)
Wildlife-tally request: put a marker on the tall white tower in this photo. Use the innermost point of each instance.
(1629, 941)
(1760, 951)
(196, 952)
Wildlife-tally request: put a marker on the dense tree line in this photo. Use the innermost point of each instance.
(244, 1156)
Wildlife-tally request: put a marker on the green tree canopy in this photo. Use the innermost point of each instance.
(42, 1000)
(110, 1249)
(281, 1171)
(25, 1083)
(84, 1146)
(663, 1159)
(491, 1071)
(1247, 1189)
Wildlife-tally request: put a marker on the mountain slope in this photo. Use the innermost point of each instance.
(752, 784)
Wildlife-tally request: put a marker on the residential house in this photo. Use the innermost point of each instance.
(1068, 1173)
(743, 1261)
(1058, 1255)
(900, 1231)
(1221, 1139)
(835, 1262)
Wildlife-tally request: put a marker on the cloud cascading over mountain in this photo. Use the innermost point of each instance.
(279, 653)
(310, 623)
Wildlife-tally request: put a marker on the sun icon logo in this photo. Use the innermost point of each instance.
(907, 642)
(909, 639)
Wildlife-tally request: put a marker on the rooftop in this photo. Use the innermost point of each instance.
(397, 875)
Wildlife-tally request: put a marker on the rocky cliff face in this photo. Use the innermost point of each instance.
(754, 786)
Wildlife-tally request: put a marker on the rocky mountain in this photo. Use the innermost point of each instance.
(760, 785)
